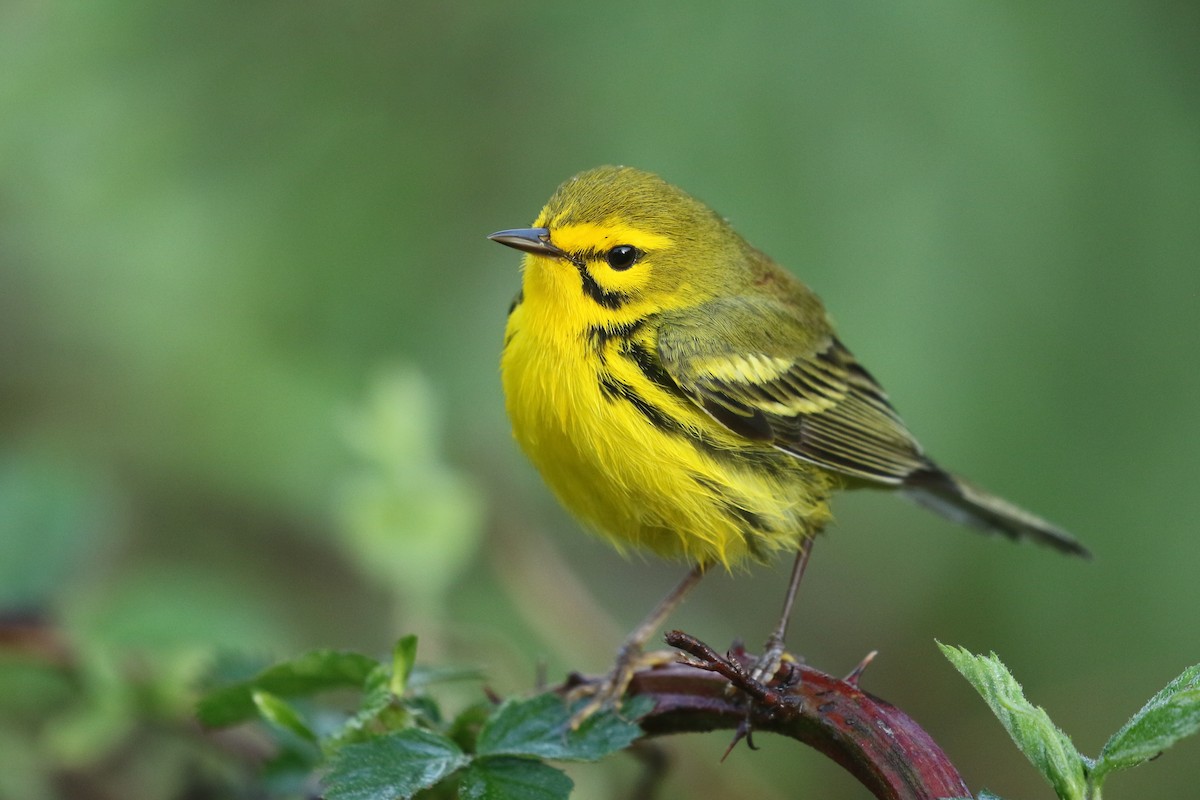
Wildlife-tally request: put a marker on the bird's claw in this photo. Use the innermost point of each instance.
(606, 693)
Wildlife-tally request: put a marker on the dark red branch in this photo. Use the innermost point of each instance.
(873, 740)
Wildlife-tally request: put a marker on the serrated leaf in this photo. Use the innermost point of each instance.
(540, 726)
(310, 673)
(1169, 716)
(506, 778)
(397, 765)
(277, 712)
(404, 655)
(1047, 747)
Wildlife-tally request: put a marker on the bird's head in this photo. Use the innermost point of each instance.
(616, 243)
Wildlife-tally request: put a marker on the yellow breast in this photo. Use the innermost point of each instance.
(637, 462)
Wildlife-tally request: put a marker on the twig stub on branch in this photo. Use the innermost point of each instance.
(875, 741)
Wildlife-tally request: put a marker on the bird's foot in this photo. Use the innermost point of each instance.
(766, 668)
(769, 661)
(605, 693)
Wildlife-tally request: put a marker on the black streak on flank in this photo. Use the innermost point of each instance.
(770, 461)
(615, 389)
(652, 368)
(600, 335)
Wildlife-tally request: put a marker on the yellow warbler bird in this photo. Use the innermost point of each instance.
(681, 392)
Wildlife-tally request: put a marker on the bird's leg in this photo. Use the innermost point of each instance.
(772, 653)
(609, 691)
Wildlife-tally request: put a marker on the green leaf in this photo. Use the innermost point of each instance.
(424, 709)
(465, 727)
(310, 673)
(504, 778)
(1047, 747)
(1169, 716)
(376, 699)
(404, 655)
(397, 765)
(277, 712)
(540, 726)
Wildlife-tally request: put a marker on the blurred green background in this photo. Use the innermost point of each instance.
(249, 331)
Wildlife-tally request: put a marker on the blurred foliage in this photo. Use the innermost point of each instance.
(411, 522)
(49, 514)
(398, 741)
(222, 225)
(91, 721)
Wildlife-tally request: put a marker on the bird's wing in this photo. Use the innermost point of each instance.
(762, 370)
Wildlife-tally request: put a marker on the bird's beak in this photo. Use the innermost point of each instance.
(530, 240)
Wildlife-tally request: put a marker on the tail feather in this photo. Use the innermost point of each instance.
(963, 502)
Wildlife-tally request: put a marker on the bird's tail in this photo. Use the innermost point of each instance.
(956, 499)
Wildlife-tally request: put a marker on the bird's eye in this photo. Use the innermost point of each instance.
(623, 256)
